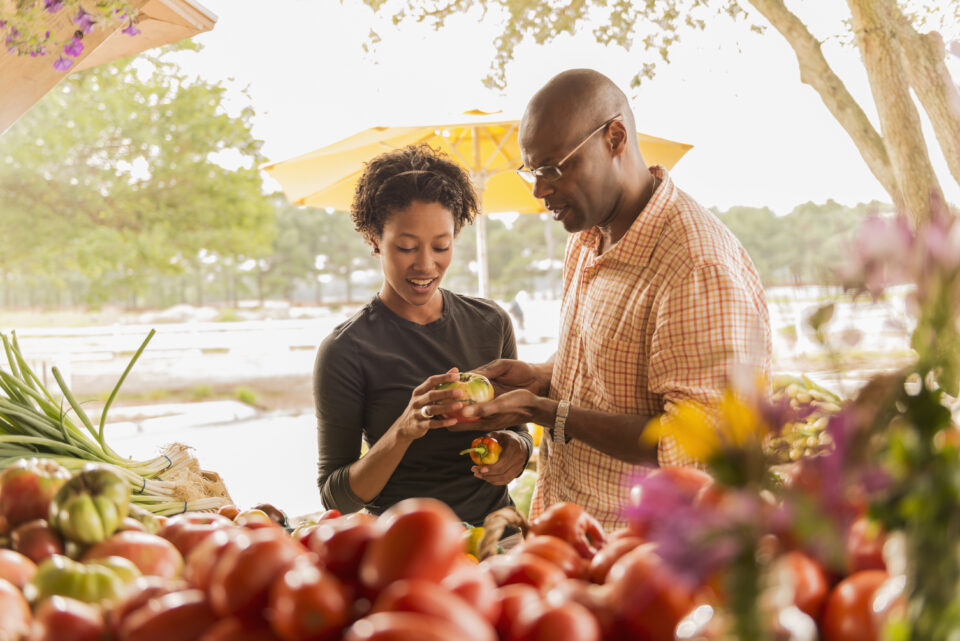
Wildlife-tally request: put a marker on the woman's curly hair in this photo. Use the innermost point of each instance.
(391, 181)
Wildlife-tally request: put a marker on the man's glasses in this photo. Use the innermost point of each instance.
(552, 173)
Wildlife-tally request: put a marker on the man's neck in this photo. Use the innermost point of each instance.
(610, 234)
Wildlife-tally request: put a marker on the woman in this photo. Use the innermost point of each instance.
(375, 374)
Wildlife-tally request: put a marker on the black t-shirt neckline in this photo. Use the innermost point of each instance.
(397, 318)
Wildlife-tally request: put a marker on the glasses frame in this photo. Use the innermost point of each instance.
(553, 173)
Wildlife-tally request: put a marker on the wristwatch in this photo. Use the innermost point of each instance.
(563, 409)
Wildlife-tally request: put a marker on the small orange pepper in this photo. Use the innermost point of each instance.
(484, 450)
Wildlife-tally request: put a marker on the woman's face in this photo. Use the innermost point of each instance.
(415, 251)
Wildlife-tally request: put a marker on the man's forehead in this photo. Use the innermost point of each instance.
(541, 138)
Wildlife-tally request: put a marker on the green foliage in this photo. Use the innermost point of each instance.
(112, 178)
(246, 395)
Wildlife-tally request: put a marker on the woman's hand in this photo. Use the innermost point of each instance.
(510, 464)
(423, 412)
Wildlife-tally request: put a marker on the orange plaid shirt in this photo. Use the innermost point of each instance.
(663, 316)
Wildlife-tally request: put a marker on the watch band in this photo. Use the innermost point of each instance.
(563, 409)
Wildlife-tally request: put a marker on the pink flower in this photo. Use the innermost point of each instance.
(62, 64)
(131, 29)
(74, 47)
(84, 20)
(53, 6)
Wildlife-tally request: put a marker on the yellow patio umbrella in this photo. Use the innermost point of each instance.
(485, 144)
(25, 80)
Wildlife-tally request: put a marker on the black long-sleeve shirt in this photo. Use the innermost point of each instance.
(365, 372)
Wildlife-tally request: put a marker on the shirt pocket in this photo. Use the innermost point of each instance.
(617, 366)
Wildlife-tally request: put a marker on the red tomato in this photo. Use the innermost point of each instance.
(649, 598)
(234, 629)
(14, 611)
(308, 604)
(519, 605)
(415, 539)
(241, 579)
(557, 551)
(256, 518)
(474, 584)
(27, 487)
(564, 622)
(140, 592)
(863, 546)
(594, 598)
(183, 615)
(341, 544)
(185, 531)
(402, 626)
(153, 555)
(809, 582)
(609, 554)
(426, 597)
(36, 540)
(847, 612)
(16, 568)
(570, 522)
(130, 524)
(203, 558)
(524, 568)
(229, 511)
(63, 619)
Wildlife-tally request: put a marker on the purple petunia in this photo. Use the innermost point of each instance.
(62, 64)
(84, 20)
(74, 47)
(53, 6)
(131, 29)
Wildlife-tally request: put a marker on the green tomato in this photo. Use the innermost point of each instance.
(476, 389)
(91, 505)
(89, 582)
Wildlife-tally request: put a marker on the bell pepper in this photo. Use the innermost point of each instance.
(91, 505)
(484, 450)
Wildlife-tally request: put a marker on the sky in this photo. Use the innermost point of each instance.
(761, 138)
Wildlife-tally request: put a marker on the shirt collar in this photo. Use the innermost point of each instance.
(636, 245)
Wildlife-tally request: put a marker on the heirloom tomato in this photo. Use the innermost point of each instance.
(609, 554)
(563, 622)
(16, 568)
(15, 614)
(153, 555)
(426, 597)
(521, 567)
(235, 629)
(341, 543)
(473, 584)
(557, 551)
(27, 487)
(519, 604)
(65, 619)
(414, 539)
(185, 531)
(573, 524)
(91, 582)
(308, 604)
(402, 626)
(90, 506)
(863, 545)
(183, 615)
(847, 613)
(809, 582)
(476, 389)
(36, 540)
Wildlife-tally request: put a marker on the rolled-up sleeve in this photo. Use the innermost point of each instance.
(338, 396)
(709, 327)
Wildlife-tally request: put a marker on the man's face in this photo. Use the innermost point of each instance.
(579, 198)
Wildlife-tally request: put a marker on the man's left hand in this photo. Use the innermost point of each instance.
(513, 408)
(510, 464)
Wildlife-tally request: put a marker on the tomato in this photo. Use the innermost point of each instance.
(524, 568)
(863, 546)
(199, 565)
(476, 389)
(16, 568)
(563, 622)
(648, 596)
(594, 598)
(402, 626)
(130, 524)
(519, 605)
(91, 582)
(277, 515)
(426, 597)
(183, 615)
(570, 522)
(14, 611)
(234, 629)
(148, 521)
(557, 551)
(609, 554)
(36, 540)
(229, 511)
(847, 612)
(89, 507)
(27, 487)
(63, 619)
(241, 579)
(138, 595)
(687, 482)
(415, 539)
(152, 554)
(475, 585)
(809, 581)
(308, 604)
(185, 531)
(341, 544)
(255, 518)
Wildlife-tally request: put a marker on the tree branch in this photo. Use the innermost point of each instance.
(899, 118)
(816, 72)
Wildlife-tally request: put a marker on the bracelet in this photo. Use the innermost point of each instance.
(563, 409)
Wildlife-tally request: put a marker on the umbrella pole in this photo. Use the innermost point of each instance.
(480, 182)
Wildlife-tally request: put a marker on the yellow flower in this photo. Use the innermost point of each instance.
(691, 425)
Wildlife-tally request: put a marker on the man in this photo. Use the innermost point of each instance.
(661, 303)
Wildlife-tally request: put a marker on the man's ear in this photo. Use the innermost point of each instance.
(617, 137)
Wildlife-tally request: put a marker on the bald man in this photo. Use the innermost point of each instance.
(661, 303)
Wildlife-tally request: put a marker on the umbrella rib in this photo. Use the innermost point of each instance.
(499, 145)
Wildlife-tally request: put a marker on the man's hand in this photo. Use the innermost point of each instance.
(512, 408)
(512, 459)
(508, 375)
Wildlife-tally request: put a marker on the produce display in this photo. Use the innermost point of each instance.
(407, 574)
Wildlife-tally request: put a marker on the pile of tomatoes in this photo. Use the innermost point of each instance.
(402, 576)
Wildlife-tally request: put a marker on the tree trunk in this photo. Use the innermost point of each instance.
(899, 118)
(929, 77)
(816, 72)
